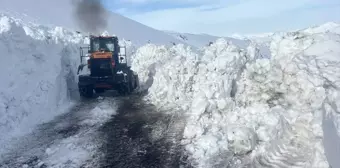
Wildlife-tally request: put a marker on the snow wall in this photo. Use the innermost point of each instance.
(38, 75)
(243, 110)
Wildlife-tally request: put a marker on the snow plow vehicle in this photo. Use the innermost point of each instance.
(107, 68)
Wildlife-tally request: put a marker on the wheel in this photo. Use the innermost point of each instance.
(86, 91)
(130, 82)
(99, 90)
(129, 87)
(124, 89)
(136, 81)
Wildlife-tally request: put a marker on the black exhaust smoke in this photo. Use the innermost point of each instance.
(91, 16)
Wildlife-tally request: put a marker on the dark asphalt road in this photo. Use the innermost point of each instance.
(129, 142)
(137, 137)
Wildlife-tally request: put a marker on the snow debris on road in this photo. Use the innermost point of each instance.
(101, 113)
(70, 140)
(70, 152)
(245, 110)
(82, 149)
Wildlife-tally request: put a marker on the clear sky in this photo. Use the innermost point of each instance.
(226, 17)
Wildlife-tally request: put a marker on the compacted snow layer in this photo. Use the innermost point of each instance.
(38, 76)
(243, 110)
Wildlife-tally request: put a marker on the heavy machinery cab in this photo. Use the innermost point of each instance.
(104, 55)
(102, 43)
(108, 67)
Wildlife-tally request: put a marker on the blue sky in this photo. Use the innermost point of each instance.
(227, 17)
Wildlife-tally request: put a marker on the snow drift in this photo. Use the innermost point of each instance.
(243, 110)
(38, 74)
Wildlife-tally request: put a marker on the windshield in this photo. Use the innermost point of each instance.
(103, 44)
(110, 46)
(95, 45)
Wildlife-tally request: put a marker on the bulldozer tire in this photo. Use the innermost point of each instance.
(86, 91)
(99, 90)
(130, 86)
(124, 89)
(121, 92)
(136, 82)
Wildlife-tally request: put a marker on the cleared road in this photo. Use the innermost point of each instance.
(105, 132)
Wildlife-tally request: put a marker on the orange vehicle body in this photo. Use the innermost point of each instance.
(99, 54)
(107, 66)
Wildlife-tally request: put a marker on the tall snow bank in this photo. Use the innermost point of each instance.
(294, 83)
(147, 60)
(204, 85)
(38, 74)
(242, 110)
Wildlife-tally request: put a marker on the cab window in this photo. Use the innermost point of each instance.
(95, 45)
(110, 46)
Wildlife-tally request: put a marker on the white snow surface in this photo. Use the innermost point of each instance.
(330, 27)
(101, 113)
(260, 38)
(78, 149)
(244, 110)
(201, 40)
(38, 74)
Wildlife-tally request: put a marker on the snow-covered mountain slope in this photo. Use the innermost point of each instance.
(246, 111)
(259, 38)
(266, 38)
(61, 13)
(331, 27)
(38, 74)
(201, 40)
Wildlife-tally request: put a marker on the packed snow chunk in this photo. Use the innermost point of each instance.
(70, 152)
(101, 113)
(241, 140)
(145, 61)
(199, 105)
(169, 71)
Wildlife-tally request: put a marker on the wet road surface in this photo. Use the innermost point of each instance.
(132, 138)
(138, 136)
